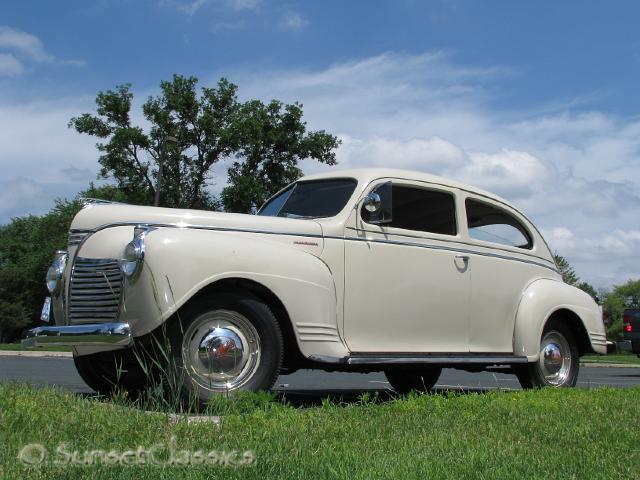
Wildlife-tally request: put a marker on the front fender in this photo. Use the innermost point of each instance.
(541, 299)
(180, 262)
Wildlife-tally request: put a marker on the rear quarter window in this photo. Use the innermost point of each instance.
(489, 223)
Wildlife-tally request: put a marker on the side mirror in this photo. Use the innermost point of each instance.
(372, 202)
(376, 206)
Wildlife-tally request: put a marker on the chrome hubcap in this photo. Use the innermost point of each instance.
(555, 358)
(221, 350)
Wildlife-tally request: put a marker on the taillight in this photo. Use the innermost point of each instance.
(626, 323)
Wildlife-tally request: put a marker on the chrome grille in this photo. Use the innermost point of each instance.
(96, 288)
(76, 236)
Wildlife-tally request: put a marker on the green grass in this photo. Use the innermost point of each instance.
(533, 434)
(16, 347)
(627, 358)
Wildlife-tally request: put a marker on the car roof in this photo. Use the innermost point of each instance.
(366, 175)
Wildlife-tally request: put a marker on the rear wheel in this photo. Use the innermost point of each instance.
(404, 382)
(559, 360)
(107, 372)
(224, 344)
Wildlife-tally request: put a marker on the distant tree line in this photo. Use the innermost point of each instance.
(167, 162)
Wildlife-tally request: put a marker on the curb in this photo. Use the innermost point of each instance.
(609, 365)
(26, 353)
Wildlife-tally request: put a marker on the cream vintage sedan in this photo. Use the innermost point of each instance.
(365, 270)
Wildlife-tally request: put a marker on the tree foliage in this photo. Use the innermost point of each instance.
(570, 276)
(566, 270)
(273, 141)
(189, 132)
(621, 297)
(27, 247)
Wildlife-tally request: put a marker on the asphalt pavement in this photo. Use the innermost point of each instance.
(58, 371)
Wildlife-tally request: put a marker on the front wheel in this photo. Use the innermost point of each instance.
(559, 360)
(404, 382)
(226, 343)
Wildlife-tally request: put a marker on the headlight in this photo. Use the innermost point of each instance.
(56, 270)
(133, 255)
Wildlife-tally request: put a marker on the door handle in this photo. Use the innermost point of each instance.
(465, 262)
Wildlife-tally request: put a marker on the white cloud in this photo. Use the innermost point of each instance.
(28, 48)
(514, 174)
(192, 7)
(434, 153)
(41, 158)
(10, 66)
(218, 27)
(294, 21)
(244, 4)
(25, 43)
(559, 239)
(621, 243)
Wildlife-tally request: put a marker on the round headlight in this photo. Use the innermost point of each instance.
(132, 256)
(52, 279)
(56, 270)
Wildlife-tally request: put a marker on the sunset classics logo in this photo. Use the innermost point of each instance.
(161, 454)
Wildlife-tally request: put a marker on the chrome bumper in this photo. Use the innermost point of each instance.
(95, 334)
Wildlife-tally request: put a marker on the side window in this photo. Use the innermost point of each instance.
(422, 210)
(492, 224)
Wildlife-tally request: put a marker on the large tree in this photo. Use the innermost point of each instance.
(188, 132)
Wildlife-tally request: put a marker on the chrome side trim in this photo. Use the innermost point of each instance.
(311, 235)
(453, 239)
(434, 359)
(413, 358)
(113, 334)
(452, 249)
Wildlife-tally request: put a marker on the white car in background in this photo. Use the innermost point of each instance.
(365, 270)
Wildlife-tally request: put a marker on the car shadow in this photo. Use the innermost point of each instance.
(351, 397)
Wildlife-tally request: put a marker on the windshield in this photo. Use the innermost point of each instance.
(311, 199)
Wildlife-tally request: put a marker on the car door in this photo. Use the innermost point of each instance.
(406, 282)
(503, 262)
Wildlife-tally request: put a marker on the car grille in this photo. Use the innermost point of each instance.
(95, 292)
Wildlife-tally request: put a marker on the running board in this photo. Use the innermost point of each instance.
(400, 359)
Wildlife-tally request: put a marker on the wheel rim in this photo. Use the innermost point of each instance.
(221, 350)
(555, 358)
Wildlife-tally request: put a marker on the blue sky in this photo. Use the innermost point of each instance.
(560, 50)
(536, 101)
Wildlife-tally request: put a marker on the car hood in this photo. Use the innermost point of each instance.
(96, 216)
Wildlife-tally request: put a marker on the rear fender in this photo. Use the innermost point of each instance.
(545, 298)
